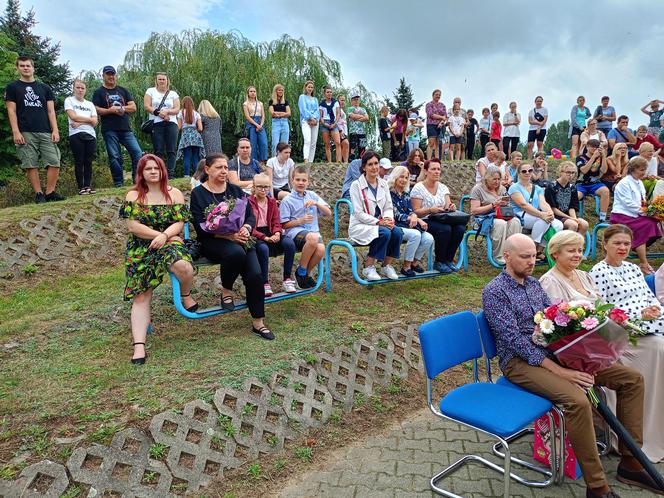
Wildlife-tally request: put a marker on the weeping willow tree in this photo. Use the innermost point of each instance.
(220, 66)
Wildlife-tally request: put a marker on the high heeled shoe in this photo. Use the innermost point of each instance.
(139, 361)
(193, 307)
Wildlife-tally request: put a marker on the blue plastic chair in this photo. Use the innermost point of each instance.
(650, 280)
(495, 410)
(595, 240)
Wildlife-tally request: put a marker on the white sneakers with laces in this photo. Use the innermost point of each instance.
(389, 272)
(370, 273)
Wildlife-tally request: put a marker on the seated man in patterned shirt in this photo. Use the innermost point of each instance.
(510, 302)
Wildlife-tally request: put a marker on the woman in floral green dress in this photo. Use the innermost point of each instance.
(155, 214)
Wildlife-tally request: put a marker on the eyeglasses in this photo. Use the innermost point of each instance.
(263, 187)
(569, 172)
(524, 171)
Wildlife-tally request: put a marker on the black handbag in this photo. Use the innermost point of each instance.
(148, 125)
(451, 218)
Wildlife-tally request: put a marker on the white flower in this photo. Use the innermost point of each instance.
(546, 326)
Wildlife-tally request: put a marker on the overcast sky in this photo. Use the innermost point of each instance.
(481, 51)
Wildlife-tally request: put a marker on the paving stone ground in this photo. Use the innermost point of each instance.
(400, 461)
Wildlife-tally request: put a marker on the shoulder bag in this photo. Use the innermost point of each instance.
(148, 125)
(451, 218)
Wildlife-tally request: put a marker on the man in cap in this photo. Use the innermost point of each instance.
(114, 104)
(384, 168)
(357, 135)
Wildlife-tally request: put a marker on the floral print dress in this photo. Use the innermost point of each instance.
(146, 268)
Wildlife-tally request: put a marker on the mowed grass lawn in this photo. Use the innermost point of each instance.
(65, 370)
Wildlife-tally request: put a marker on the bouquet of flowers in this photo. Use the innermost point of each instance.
(655, 209)
(584, 336)
(590, 338)
(226, 218)
(649, 183)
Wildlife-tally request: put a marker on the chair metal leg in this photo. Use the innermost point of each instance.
(553, 473)
(504, 469)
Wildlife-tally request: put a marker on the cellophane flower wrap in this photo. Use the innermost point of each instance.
(225, 218)
(654, 209)
(649, 183)
(584, 336)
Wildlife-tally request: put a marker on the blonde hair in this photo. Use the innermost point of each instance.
(304, 88)
(646, 146)
(396, 173)
(562, 239)
(205, 109)
(491, 171)
(161, 73)
(516, 153)
(246, 102)
(622, 163)
(566, 165)
(275, 100)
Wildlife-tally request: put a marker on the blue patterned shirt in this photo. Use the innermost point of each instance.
(509, 308)
(402, 208)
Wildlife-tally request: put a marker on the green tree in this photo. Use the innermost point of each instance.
(403, 97)
(42, 50)
(220, 66)
(556, 137)
(7, 74)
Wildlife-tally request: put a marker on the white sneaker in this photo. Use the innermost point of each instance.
(389, 272)
(370, 273)
(289, 286)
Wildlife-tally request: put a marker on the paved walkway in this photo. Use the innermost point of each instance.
(399, 463)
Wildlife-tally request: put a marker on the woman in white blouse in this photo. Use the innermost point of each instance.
(372, 221)
(565, 281)
(628, 198)
(162, 105)
(429, 198)
(622, 284)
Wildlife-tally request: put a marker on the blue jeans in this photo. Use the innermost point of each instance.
(280, 133)
(165, 143)
(263, 250)
(388, 243)
(258, 140)
(191, 155)
(113, 140)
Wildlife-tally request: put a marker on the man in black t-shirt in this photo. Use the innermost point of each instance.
(31, 113)
(591, 167)
(113, 104)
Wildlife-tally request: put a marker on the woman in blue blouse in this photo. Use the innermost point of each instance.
(531, 206)
(309, 117)
(577, 123)
(417, 239)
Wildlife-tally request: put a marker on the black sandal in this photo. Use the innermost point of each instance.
(193, 307)
(227, 303)
(263, 333)
(139, 361)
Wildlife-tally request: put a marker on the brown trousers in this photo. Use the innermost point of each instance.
(628, 385)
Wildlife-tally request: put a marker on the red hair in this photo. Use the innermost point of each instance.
(142, 187)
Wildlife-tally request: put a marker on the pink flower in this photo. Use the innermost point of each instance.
(563, 306)
(561, 319)
(590, 323)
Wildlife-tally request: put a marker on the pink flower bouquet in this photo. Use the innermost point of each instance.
(584, 336)
(225, 218)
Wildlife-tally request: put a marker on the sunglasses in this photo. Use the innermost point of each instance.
(526, 171)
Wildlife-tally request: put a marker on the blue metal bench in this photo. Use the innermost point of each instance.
(489, 244)
(239, 305)
(582, 203)
(350, 246)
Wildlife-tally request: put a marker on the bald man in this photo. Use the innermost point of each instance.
(510, 302)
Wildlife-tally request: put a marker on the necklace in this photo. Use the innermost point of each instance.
(574, 281)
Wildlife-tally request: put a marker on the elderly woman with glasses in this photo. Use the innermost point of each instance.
(530, 205)
(485, 198)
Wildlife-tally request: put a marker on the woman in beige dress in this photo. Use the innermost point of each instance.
(564, 281)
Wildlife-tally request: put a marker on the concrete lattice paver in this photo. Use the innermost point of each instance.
(399, 462)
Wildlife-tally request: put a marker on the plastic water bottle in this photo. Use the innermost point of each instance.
(310, 210)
